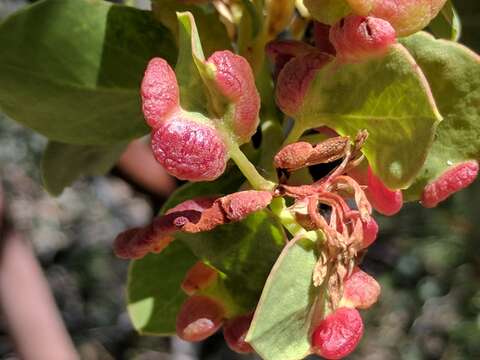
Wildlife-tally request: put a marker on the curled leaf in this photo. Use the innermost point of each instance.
(451, 181)
(280, 52)
(234, 79)
(199, 277)
(199, 318)
(295, 79)
(192, 216)
(235, 331)
(360, 290)
(160, 93)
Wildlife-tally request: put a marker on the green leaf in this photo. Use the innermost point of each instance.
(154, 293)
(193, 95)
(71, 69)
(244, 252)
(328, 11)
(453, 72)
(447, 24)
(281, 326)
(62, 164)
(212, 31)
(390, 97)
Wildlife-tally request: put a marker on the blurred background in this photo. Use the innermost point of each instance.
(428, 261)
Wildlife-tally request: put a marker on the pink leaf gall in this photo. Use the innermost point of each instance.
(454, 179)
(338, 334)
(160, 93)
(189, 150)
(199, 318)
(356, 38)
(235, 81)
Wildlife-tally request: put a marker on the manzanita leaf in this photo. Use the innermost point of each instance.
(212, 31)
(244, 252)
(77, 80)
(328, 11)
(62, 164)
(193, 95)
(453, 72)
(154, 292)
(281, 325)
(389, 97)
(447, 24)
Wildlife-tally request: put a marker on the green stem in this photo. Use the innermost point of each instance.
(294, 135)
(257, 181)
(289, 222)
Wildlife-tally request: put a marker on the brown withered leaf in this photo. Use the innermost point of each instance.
(191, 216)
(320, 270)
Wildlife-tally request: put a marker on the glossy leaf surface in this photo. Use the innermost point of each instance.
(77, 80)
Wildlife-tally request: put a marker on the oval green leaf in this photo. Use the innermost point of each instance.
(71, 69)
(388, 96)
(244, 252)
(281, 325)
(154, 293)
(62, 164)
(453, 72)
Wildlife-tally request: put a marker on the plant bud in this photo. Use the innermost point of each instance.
(338, 334)
(453, 180)
(189, 150)
(406, 16)
(199, 318)
(360, 290)
(235, 81)
(357, 38)
(235, 332)
(159, 91)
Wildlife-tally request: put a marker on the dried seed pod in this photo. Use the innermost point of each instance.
(451, 181)
(235, 331)
(360, 290)
(406, 16)
(234, 80)
(302, 154)
(357, 38)
(199, 318)
(338, 334)
(199, 277)
(159, 91)
(295, 78)
(189, 150)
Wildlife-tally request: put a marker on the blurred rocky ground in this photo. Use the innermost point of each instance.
(428, 261)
